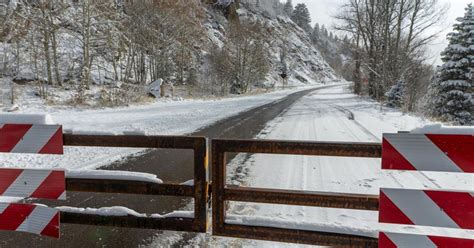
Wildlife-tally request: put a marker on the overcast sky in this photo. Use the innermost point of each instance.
(323, 10)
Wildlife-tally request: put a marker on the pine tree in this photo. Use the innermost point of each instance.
(396, 94)
(315, 34)
(451, 93)
(288, 8)
(302, 17)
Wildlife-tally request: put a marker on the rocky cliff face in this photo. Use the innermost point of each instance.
(289, 45)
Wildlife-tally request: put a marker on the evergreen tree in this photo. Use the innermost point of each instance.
(396, 94)
(288, 8)
(324, 31)
(302, 17)
(451, 93)
(315, 34)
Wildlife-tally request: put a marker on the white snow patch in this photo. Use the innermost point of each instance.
(175, 214)
(106, 211)
(188, 183)
(113, 175)
(37, 119)
(123, 211)
(440, 129)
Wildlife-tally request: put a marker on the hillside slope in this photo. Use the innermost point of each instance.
(132, 46)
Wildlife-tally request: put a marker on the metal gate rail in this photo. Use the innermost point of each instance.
(199, 191)
(221, 193)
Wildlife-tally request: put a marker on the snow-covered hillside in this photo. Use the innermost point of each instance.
(304, 61)
(124, 57)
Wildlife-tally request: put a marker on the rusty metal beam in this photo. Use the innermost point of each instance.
(219, 176)
(200, 185)
(199, 191)
(221, 194)
(297, 236)
(134, 141)
(127, 187)
(302, 198)
(370, 150)
(175, 224)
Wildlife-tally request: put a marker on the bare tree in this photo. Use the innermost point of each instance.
(392, 34)
(243, 59)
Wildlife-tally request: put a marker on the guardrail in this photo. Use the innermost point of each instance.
(199, 191)
(221, 193)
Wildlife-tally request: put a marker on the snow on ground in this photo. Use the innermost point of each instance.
(323, 116)
(113, 175)
(161, 118)
(43, 119)
(123, 211)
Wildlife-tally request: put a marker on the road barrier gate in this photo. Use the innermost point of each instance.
(447, 153)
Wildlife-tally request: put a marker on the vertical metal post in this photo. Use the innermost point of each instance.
(200, 185)
(218, 186)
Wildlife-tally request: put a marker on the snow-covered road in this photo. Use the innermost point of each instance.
(325, 116)
(160, 118)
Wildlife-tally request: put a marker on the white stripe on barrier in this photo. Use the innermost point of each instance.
(35, 139)
(27, 183)
(62, 196)
(37, 221)
(403, 240)
(421, 152)
(3, 206)
(419, 208)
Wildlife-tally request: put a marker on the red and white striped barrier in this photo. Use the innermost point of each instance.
(43, 184)
(427, 208)
(27, 138)
(29, 218)
(394, 240)
(428, 152)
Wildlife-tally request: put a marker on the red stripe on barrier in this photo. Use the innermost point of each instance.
(385, 242)
(459, 148)
(52, 187)
(390, 213)
(52, 229)
(11, 134)
(55, 144)
(7, 177)
(457, 205)
(444, 242)
(405, 240)
(42, 184)
(392, 159)
(14, 215)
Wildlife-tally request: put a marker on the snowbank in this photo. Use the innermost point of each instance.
(107, 211)
(123, 211)
(113, 175)
(38, 119)
(188, 183)
(440, 129)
